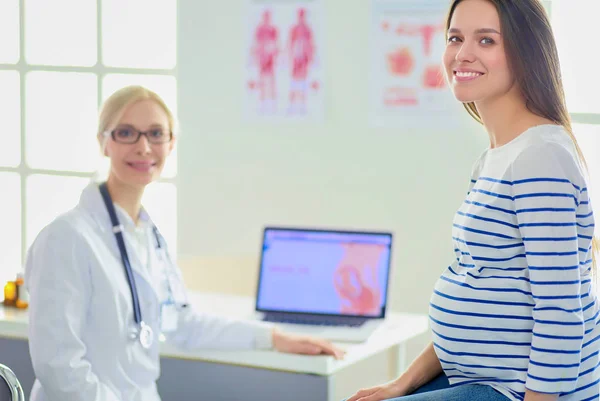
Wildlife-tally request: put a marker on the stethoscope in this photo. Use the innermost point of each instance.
(143, 332)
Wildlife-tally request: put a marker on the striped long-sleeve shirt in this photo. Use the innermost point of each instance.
(517, 309)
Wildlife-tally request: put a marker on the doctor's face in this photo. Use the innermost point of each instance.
(138, 163)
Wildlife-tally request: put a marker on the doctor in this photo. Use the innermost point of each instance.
(102, 284)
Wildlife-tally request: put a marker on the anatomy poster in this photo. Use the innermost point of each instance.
(284, 60)
(407, 84)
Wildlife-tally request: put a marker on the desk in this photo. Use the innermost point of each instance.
(257, 374)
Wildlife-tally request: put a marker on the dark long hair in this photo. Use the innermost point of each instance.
(533, 59)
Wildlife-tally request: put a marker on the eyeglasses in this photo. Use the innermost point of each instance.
(130, 135)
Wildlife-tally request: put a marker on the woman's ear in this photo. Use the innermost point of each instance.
(103, 142)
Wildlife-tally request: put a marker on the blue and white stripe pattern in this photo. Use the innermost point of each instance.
(517, 309)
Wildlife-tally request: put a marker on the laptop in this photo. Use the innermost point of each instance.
(328, 283)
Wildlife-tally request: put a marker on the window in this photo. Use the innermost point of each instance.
(60, 132)
(9, 31)
(53, 82)
(54, 37)
(10, 216)
(10, 150)
(571, 27)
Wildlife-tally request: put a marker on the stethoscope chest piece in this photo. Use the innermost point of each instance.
(142, 333)
(146, 335)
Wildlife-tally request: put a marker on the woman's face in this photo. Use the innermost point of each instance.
(140, 163)
(475, 61)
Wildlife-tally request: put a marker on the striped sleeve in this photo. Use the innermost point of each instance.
(546, 185)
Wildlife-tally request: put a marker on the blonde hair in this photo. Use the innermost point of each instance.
(114, 107)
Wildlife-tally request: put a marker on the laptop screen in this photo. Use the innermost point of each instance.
(324, 272)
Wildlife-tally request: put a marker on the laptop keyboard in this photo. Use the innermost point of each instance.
(314, 320)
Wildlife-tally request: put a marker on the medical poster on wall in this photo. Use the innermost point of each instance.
(407, 84)
(284, 54)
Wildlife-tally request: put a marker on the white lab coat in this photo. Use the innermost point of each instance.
(81, 312)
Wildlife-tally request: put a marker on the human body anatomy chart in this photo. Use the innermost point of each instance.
(407, 43)
(284, 60)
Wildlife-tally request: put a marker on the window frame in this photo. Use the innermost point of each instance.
(100, 70)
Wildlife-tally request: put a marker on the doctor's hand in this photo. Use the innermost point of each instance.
(295, 344)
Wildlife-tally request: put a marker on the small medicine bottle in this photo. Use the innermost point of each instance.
(10, 293)
(22, 294)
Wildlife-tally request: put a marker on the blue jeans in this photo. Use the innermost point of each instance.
(439, 390)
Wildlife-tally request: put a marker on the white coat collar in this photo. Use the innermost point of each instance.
(91, 203)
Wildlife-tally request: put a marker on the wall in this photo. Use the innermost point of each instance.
(235, 177)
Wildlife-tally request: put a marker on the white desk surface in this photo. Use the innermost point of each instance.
(397, 329)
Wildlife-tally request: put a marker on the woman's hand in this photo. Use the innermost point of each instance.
(379, 393)
(295, 344)
(423, 370)
(533, 396)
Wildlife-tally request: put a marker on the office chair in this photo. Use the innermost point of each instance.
(10, 388)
